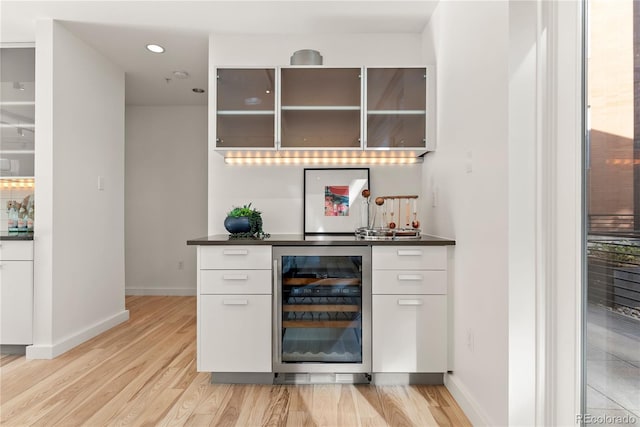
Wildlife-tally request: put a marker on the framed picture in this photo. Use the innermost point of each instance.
(333, 202)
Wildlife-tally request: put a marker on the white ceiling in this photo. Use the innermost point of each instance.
(121, 29)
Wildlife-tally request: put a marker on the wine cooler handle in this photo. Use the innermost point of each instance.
(277, 317)
(409, 302)
(409, 252)
(235, 252)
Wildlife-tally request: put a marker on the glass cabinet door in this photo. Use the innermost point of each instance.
(17, 112)
(396, 108)
(321, 300)
(245, 108)
(320, 108)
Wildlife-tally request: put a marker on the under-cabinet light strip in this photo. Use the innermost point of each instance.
(11, 183)
(321, 160)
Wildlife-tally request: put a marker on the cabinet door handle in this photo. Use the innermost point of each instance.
(407, 277)
(409, 252)
(235, 277)
(235, 252)
(235, 302)
(409, 302)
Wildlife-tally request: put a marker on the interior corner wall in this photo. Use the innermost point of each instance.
(165, 197)
(466, 178)
(79, 229)
(280, 197)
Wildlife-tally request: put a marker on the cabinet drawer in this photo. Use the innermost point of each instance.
(409, 258)
(16, 251)
(232, 257)
(235, 282)
(401, 282)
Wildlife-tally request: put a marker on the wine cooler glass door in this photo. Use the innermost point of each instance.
(323, 309)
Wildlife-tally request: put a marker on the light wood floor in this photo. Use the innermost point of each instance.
(143, 373)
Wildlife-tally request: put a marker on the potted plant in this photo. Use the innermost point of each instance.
(245, 221)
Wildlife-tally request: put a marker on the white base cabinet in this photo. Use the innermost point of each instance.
(16, 292)
(234, 308)
(236, 333)
(409, 334)
(409, 309)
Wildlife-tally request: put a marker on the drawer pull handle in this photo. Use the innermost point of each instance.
(409, 302)
(235, 302)
(235, 252)
(407, 277)
(235, 277)
(408, 252)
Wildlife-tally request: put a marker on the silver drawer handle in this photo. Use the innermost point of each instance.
(407, 277)
(235, 277)
(407, 252)
(235, 252)
(409, 302)
(235, 302)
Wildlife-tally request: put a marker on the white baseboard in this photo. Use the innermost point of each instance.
(175, 292)
(39, 351)
(469, 406)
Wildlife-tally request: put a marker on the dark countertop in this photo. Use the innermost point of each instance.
(15, 235)
(317, 240)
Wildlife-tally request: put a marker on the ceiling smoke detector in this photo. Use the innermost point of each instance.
(306, 57)
(180, 75)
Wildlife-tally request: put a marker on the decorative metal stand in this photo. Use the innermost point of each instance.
(380, 229)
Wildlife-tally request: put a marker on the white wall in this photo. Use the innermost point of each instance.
(523, 174)
(469, 172)
(165, 197)
(278, 191)
(79, 243)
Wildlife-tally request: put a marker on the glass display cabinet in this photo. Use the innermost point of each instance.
(396, 100)
(17, 112)
(320, 108)
(245, 108)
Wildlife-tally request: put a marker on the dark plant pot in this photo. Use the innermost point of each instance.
(238, 224)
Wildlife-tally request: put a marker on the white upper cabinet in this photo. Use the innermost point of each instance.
(245, 108)
(396, 108)
(17, 112)
(320, 108)
(325, 108)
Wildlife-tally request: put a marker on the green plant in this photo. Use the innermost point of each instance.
(246, 210)
(620, 252)
(255, 221)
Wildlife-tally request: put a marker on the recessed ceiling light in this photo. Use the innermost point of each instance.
(155, 48)
(197, 90)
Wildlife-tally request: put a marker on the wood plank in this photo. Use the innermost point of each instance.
(395, 411)
(343, 324)
(368, 405)
(340, 308)
(299, 281)
(325, 404)
(347, 414)
(300, 402)
(143, 373)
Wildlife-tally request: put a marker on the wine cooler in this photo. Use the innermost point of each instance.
(322, 306)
